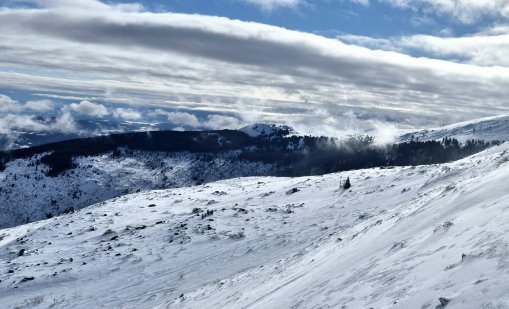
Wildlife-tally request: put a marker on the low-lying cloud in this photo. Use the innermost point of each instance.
(41, 106)
(180, 118)
(87, 108)
(127, 114)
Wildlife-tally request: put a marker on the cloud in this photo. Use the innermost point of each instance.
(213, 121)
(88, 109)
(465, 11)
(369, 42)
(270, 5)
(179, 118)
(486, 48)
(40, 105)
(22, 122)
(208, 64)
(363, 2)
(218, 122)
(8, 105)
(64, 123)
(82, 5)
(479, 49)
(375, 123)
(16, 118)
(127, 114)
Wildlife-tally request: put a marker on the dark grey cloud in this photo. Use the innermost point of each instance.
(294, 57)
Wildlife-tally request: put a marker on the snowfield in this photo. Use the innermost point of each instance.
(489, 129)
(399, 238)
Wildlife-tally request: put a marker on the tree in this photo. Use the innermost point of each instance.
(347, 184)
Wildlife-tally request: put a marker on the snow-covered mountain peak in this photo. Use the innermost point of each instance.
(266, 129)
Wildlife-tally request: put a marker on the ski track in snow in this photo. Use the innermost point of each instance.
(399, 238)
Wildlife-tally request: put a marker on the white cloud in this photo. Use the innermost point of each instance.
(8, 105)
(218, 122)
(84, 5)
(465, 11)
(269, 5)
(40, 105)
(363, 2)
(370, 42)
(487, 48)
(64, 123)
(88, 109)
(20, 122)
(127, 114)
(180, 118)
(483, 50)
(214, 121)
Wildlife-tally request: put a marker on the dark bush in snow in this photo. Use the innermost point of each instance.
(347, 184)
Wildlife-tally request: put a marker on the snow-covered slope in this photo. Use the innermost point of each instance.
(488, 129)
(400, 238)
(27, 194)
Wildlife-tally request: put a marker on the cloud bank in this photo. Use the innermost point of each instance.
(488, 48)
(191, 63)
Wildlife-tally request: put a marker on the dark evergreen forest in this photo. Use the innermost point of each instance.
(292, 155)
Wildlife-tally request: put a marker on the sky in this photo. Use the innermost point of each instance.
(324, 67)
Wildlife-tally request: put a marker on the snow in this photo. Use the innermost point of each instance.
(27, 194)
(488, 129)
(399, 238)
(264, 129)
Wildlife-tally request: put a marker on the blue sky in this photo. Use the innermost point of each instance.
(329, 18)
(327, 66)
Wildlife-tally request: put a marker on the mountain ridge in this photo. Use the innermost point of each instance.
(267, 242)
(52, 179)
